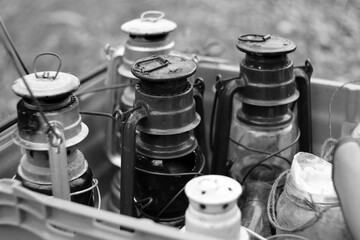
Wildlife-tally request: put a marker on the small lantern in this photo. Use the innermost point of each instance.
(164, 154)
(48, 129)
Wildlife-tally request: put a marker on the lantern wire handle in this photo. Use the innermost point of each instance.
(46, 74)
(157, 15)
(220, 82)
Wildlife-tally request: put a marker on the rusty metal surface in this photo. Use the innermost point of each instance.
(31, 133)
(164, 68)
(44, 86)
(168, 98)
(265, 44)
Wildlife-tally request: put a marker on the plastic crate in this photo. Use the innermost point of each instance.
(28, 215)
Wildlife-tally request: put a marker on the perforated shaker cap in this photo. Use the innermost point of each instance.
(149, 23)
(213, 193)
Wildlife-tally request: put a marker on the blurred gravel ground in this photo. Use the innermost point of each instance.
(325, 31)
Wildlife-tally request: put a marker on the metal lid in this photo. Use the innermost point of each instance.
(149, 23)
(163, 68)
(46, 84)
(265, 44)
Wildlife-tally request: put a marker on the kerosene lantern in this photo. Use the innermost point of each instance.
(163, 155)
(272, 108)
(48, 129)
(148, 35)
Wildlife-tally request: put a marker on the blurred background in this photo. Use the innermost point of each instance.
(325, 31)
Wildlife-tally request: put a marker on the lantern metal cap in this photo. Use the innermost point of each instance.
(163, 68)
(149, 23)
(265, 44)
(46, 84)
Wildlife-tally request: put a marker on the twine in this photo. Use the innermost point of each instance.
(302, 203)
(327, 149)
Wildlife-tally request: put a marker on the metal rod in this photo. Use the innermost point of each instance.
(58, 164)
(223, 123)
(302, 78)
(200, 131)
(100, 114)
(128, 161)
(12, 49)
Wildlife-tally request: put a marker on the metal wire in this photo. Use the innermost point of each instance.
(12, 48)
(212, 119)
(259, 151)
(270, 156)
(95, 182)
(105, 88)
(331, 101)
(94, 185)
(99, 196)
(44, 74)
(168, 174)
(101, 114)
(175, 197)
(114, 116)
(214, 107)
(139, 204)
(169, 203)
